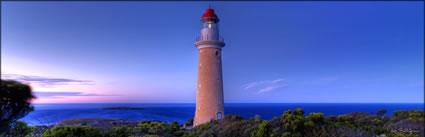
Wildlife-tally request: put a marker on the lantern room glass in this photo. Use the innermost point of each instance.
(210, 23)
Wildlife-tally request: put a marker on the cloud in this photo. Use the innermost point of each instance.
(267, 89)
(60, 94)
(44, 81)
(266, 86)
(250, 85)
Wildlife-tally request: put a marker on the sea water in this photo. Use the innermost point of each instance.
(45, 114)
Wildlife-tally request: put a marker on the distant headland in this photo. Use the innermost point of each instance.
(121, 108)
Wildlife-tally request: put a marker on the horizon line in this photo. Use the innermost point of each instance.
(246, 103)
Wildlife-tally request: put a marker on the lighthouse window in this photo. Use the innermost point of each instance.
(209, 26)
(219, 115)
(217, 53)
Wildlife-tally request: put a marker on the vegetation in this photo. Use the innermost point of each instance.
(21, 129)
(292, 123)
(73, 131)
(15, 103)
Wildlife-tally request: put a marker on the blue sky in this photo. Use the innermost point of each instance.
(143, 52)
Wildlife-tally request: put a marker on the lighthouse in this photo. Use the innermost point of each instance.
(209, 95)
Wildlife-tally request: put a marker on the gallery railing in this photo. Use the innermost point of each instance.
(207, 38)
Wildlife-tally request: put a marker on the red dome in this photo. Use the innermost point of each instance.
(209, 13)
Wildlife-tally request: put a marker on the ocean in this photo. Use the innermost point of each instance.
(45, 114)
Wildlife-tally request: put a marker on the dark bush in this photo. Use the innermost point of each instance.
(155, 128)
(15, 102)
(380, 112)
(20, 129)
(231, 118)
(73, 131)
(262, 131)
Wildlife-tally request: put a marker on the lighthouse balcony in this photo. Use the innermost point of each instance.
(206, 41)
(209, 38)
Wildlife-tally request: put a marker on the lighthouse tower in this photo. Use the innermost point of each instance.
(209, 97)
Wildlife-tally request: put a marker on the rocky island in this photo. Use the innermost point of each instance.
(121, 108)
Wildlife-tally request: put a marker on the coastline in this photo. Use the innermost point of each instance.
(47, 114)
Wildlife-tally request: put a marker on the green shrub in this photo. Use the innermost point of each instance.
(262, 130)
(293, 120)
(190, 121)
(156, 128)
(380, 112)
(401, 135)
(416, 115)
(316, 118)
(20, 129)
(400, 115)
(242, 128)
(377, 122)
(175, 129)
(230, 118)
(204, 126)
(289, 134)
(120, 131)
(151, 136)
(191, 134)
(73, 131)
